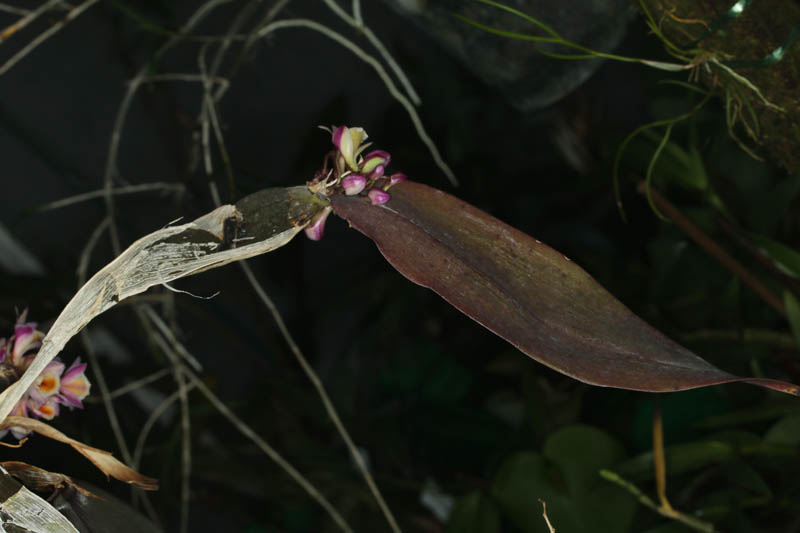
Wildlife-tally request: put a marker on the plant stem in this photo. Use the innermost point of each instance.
(713, 249)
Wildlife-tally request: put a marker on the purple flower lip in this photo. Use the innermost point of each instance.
(353, 184)
(316, 229)
(378, 197)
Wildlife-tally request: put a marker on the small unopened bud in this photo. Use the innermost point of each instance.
(354, 184)
(378, 197)
(373, 159)
(378, 172)
(315, 230)
(396, 178)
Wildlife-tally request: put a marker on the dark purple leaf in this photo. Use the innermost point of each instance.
(527, 293)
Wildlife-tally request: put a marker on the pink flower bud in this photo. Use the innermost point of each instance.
(315, 230)
(378, 172)
(336, 136)
(26, 338)
(378, 197)
(354, 184)
(396, 178)
(375, 159)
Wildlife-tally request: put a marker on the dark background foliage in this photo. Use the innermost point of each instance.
(429, 396)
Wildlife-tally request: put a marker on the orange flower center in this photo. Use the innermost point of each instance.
(47, 411)
(49, 384)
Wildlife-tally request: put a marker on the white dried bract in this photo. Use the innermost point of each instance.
(155, 259)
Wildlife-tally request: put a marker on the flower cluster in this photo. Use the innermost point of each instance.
(351, 174)
(55, 386)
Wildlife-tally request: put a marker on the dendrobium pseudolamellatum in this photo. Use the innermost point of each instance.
(351, 174)
(53, 388)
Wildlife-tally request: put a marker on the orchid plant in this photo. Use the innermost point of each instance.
(54, 387)
(351, 173)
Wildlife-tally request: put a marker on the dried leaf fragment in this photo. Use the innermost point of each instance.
(40, 479)
(102, 459)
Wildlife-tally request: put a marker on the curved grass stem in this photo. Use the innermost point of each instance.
(670, 122)
(649, 176)
(357, 22)
(716, 251)
(556, 38)
(323, 394)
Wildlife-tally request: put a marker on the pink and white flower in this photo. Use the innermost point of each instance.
(21, 409)
(48, 383)
(47, 409)
(53, 388)
(26, 338)
(75, 385)
(348, 142)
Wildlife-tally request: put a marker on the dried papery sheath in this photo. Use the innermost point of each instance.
(261, 222)
(22, 510)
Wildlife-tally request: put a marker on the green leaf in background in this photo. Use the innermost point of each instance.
(566, 477)
(746, 416)
(581, 451)
(668, 527)
(741, 474)
(680, 458)
(474, 513)
(768, 205)
(792, 313)
(784, 431)
(786, 259)
(521, 481)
